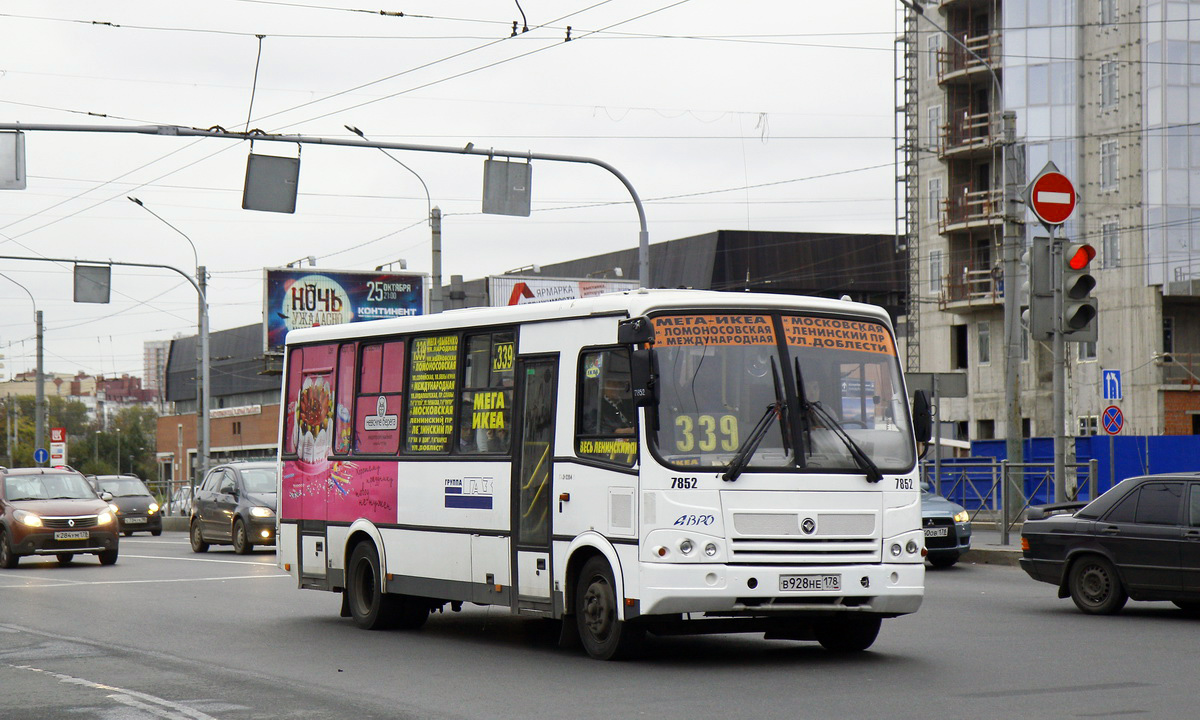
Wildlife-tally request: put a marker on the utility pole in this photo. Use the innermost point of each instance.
(1014, 232)
(435, 292)
(203, 389)
(39, 411)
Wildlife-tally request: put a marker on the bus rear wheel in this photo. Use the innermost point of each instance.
(603, 634)
(848, 634)
(371, 608)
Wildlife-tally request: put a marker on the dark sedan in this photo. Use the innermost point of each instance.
(235, 505)
(136, 507)
(1139, 540)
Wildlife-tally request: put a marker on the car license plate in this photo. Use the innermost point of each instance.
(936, 532)
(71, 535)
(135, 521)
(809, 582)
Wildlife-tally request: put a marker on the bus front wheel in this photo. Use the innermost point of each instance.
(603, 634)
(370, 607)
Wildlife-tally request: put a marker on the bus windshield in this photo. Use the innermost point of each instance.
(833, 383)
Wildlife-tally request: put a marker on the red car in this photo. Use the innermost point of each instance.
(53, 511)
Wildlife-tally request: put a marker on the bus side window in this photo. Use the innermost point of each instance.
(485, 407)
(294, 379)
(605, 423)
(379, 401)
(343, 400)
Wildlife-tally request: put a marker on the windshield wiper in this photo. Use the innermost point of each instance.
(864, 462)
(742, 458)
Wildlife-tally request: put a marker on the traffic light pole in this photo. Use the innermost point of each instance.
(1058, 347)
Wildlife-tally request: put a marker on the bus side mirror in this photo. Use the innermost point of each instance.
(922, 418)
(642, 378)
(635, 331)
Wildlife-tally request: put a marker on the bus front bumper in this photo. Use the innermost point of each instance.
(755, 590)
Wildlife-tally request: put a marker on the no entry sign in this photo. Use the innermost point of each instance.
(1052, 197)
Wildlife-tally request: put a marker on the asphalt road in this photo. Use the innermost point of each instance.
(168, 634)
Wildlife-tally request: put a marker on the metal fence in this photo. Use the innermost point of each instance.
(979, 486)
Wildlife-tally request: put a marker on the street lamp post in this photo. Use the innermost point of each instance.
(203, 366)
(435, 224)
(39, 410)
(118, 451)
(1011, 235)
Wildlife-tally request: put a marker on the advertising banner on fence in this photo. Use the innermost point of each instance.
(308, 297)
(514, 290)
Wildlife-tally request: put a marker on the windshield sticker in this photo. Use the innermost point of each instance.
(677, 330)
(835, 334)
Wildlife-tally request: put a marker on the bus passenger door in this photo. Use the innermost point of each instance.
(537, 380)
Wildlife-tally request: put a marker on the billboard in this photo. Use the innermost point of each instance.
(307, 297)
(517, 290)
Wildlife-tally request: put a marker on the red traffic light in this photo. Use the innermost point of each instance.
(1079, 255)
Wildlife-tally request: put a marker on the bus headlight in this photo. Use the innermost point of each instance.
(896, 549)
(911, 547)
(686, 546)
(710, 549)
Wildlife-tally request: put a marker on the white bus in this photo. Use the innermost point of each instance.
(663, 461)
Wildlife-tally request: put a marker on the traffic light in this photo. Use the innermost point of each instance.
(1039, 315)
(1079, 308)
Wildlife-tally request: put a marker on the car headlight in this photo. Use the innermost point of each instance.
(962, 517)
(27, 518)
(115, 510)
(153, 508)
(104, 518)
(262, 512)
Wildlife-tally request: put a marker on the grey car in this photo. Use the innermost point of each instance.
(947, 527)
(235, 505)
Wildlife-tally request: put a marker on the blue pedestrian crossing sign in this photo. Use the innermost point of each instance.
(1112, 384)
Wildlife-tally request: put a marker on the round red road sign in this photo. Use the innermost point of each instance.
(1052, 198)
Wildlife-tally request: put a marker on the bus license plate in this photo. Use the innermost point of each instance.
(809, 582)
(135, 520)
(936, 532)
(71, 535)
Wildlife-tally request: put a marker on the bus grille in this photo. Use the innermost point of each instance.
(804, 538)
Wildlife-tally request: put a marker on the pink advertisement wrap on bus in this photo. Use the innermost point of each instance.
(338, 491)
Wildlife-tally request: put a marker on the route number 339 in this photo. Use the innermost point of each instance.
(706, 433)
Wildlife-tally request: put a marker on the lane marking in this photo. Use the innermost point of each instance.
(209, 560)
(71, 583)
(152, 704)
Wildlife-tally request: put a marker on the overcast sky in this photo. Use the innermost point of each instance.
(758, 114)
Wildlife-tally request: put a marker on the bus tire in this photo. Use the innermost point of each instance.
(410, 612)
(371, 608)
(848, 634)
(604, 636)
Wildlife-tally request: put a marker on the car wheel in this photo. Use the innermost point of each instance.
(8, 558)
(1188, 606)
(1095, 586)
(196, 535)
(241, 543)
(603, 634)
(156, 533)
(127, 533)
(64, 558)
(943, 561)
(371, 608)
(848, 634)
(108, 557)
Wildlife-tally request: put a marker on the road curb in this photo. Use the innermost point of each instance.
(992, 555)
